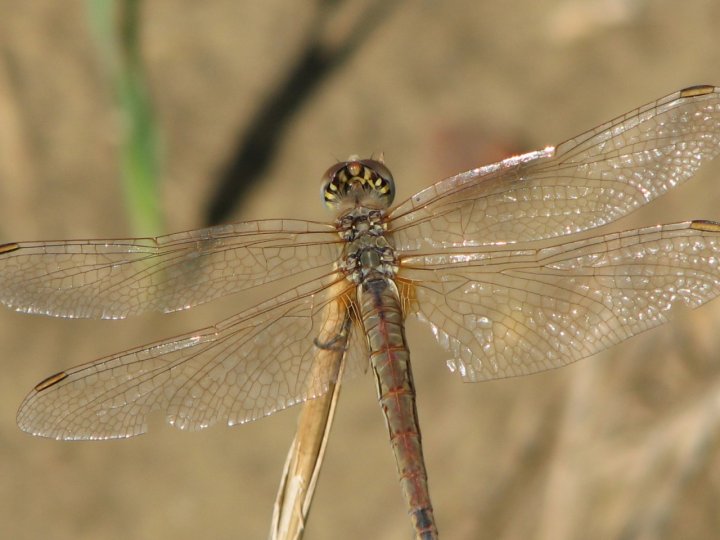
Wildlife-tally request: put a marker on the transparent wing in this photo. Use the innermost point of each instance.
(112, 279)
(585, 182)
(246, 367)
(507, 312)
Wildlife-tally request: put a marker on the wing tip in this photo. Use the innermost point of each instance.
(697, 90)
(9, 248)
(705, 225)
(52, 380)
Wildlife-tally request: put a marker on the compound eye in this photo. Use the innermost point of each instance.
(351, 182)
(330, 187)
(384, 185)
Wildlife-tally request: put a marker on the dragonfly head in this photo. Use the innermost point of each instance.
(358, 182)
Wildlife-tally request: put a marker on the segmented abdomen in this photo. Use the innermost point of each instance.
(389, 356)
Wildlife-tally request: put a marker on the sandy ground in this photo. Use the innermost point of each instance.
(622, 445)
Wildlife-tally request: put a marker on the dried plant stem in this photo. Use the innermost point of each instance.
(305, 456)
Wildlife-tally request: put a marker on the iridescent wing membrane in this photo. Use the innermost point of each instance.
(112, 279)
(243, 368)
(481, 257)
(505, 299)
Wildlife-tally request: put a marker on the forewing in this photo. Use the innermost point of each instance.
(112, 279)
(265, 359)
(509, 312)
(585, 182)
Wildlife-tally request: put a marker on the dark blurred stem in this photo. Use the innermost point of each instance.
(339, 29)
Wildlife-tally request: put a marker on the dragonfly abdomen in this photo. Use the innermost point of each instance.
(390, 359)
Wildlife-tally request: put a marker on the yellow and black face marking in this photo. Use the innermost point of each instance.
(364, 182)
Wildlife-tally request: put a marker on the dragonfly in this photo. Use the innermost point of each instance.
(496, 262)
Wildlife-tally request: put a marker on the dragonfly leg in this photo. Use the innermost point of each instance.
(339, 341)
(336, 343)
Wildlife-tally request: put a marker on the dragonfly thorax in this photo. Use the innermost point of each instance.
(368, 254)
(369, 257)
(361, 190)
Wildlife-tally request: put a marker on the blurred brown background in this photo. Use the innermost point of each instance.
(622, 445)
